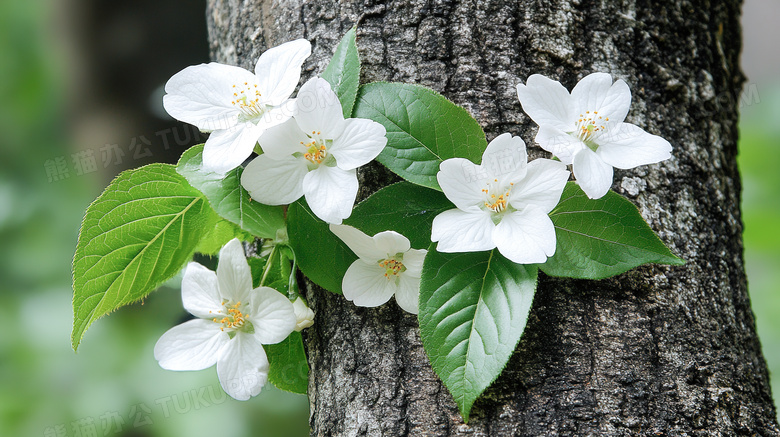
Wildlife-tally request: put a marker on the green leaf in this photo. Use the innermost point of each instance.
(473, 310)
(423, 129)
(274, 270)
(599, 238)
(289, 369)
(136, 235)
(403, 207)
(219, 235)
(228, 198)
(343, 72)
(321, 255)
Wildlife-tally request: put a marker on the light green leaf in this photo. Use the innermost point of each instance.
(343, 72)
(219, 235)
(136, 235)
(321, 255)
(406, 208)
(473, 310)
(289, 369)
(599, 238)
(228, 198)
(423, 129)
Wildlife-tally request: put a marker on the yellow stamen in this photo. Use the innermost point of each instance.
(315, 152)
(234, 319)
(392, 267)
(497, 203)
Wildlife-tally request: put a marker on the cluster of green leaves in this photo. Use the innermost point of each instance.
(147, 225)
(473, 306)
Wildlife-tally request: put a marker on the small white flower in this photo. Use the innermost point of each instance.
(501, 203)
(233, 324)
(303, 314)
(314, 154)
(586, 129)
(235, 105)
(387, 266)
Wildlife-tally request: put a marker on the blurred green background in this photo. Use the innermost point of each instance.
(79, 76)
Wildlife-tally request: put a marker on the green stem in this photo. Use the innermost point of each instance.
(268, 265)
(292, 285)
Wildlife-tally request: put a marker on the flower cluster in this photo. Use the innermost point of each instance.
(307, 148)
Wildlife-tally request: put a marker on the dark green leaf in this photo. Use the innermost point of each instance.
(403, 207)
(423, 129)
(599, 238)
(136, 235)
(473, 310)
(228, 198)
(277, 269)
(321, 255)
(289, 369)
(343, 72)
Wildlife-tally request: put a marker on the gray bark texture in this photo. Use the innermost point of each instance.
(656, 351)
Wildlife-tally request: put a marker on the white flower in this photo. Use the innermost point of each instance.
(501, 203)
(235, 105)
(303, 314)
(314, 154)
(387, 266)
(233, 324)
(586, 129)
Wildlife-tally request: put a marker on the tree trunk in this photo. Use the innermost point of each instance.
(656, 351)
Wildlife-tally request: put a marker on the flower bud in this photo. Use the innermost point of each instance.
(304, 314)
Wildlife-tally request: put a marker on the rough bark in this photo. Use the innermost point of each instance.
(656, 351)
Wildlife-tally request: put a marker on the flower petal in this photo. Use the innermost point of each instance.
(462, 182)
(547, 102)
(193, 345)
(331, 192)
(593, 174)
(279, 69)
(226, 149)
(542, 185)
(360, 243)
(242, 367)
(631, 147)
(526, 237)
(317, 109)
(365, 284)
(460, 231)
(276, 115)
(408, 294)
(390, 243)
(505, 158)
(200, 291)
(233, 274)
(596, 92)
(283, 140)
(275, 182)
(562, 145)
(361, 141)
(272, 315)
(413, 261)
(202, 95)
